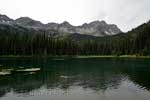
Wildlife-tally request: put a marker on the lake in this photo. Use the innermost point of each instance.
(74, 79)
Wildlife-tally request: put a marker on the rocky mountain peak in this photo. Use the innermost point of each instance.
(99, 28)
(26, 21)
(5, 19)
(85, 25)
(95, 28)
(97, 23)
(65, 23)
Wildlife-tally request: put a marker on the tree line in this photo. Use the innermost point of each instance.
(135, 42)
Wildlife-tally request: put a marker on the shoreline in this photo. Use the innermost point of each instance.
(76, 56)
(114, 56)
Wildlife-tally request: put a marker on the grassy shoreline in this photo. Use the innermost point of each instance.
(114, 56)
(76, 56)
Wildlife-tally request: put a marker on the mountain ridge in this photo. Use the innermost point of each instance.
(95, 28)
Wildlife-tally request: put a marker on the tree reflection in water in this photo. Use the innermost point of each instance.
(95, 74)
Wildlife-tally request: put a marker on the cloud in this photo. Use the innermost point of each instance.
(128, 14)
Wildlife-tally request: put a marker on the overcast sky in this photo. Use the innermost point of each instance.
(126, 14)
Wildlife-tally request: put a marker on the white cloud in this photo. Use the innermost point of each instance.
(126, 14)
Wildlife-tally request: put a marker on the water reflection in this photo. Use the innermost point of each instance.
(94, 74)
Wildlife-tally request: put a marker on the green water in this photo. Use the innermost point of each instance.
(75, 79)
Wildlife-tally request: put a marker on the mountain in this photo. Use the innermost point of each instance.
(5, 19)
(26, 21)
(25, 36)
(98, 28)
(95, 28)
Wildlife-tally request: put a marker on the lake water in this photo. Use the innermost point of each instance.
(74, 79)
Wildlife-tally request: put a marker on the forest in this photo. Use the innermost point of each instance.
(134, 42)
